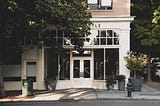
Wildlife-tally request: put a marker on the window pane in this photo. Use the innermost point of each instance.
(96, 41)
(67, 41)
(92, 1)
(103, 41)
(31, 70)
(106, 37)
(99, 64)
(93, 6)
(116, 34)
(86, 68)
(65, 66)
(112, 62)
(116, 41)
(106, 3)
(109, 33)
(109, 41)
(103, 33)
(81, 53)
(76, 68)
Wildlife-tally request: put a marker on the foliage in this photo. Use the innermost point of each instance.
(145, 28)
(110, 80)
(135, 61)
(23, 22)
(120, 77)
(28, 18)
(71, 15)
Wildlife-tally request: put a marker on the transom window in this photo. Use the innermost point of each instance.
(106, 37)
(99, 4)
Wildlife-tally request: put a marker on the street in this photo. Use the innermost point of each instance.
(87, 103)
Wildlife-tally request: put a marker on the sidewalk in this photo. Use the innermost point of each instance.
(150, 90)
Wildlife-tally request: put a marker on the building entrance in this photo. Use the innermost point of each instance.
(82, 72)
(81, 68)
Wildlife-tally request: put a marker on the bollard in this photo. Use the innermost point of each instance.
(129, 89)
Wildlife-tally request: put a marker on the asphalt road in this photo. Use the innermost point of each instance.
(87, 103)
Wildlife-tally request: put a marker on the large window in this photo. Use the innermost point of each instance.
(107, 37)
(99, 4)
(106, 63)
(65, 66)
(57, 65)
(104, 37)
(99, 64)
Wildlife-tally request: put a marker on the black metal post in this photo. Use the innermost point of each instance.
(129, 89)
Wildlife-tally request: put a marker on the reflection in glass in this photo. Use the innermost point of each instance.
(98, 64)
(76, 68)
(86, 68)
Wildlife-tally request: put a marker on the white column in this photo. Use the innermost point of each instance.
(104, 57)
(58, 67)
(42, 78)
(40, 71)
(92, 65)
(124, 48)
(71, 66)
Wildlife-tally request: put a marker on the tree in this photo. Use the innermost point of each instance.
(144, 29)
(25, 20)
(135, 62)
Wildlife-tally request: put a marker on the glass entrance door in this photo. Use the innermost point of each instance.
(81, 68)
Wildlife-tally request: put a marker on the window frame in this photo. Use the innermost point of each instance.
(107, 38)
(99, 6)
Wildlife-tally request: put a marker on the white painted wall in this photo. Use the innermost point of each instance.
(124, 48)
(34, 54)
(119, 25)
(11, 71)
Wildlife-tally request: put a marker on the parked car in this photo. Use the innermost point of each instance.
(157, 71)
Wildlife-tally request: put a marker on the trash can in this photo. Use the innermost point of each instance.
(27, 87)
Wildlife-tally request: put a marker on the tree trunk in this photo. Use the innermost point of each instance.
(2, 90)
(149, 68)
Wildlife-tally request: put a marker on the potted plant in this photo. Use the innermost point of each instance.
(135, 63)
(121, 82)
(110, 81)
(50, 83)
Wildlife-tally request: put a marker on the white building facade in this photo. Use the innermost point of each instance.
(104, 49)
(102, 55)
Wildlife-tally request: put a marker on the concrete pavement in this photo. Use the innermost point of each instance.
(150, 90)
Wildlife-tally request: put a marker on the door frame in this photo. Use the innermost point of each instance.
(81, 59)
(82, 82)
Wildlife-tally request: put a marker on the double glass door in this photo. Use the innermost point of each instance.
(81, 68)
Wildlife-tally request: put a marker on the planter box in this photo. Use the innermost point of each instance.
(136, 84)
(121, 85)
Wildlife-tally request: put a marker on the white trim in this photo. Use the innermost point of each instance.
(112, 19)
(107, 3)
(104, 57)
(43, 73)
(92, 2)
(92, 46)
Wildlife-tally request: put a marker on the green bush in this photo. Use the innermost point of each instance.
(120, 77)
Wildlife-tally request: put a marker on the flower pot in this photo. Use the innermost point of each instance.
(136, 83)
(121, 85)
(51, 86)
(110, 87)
